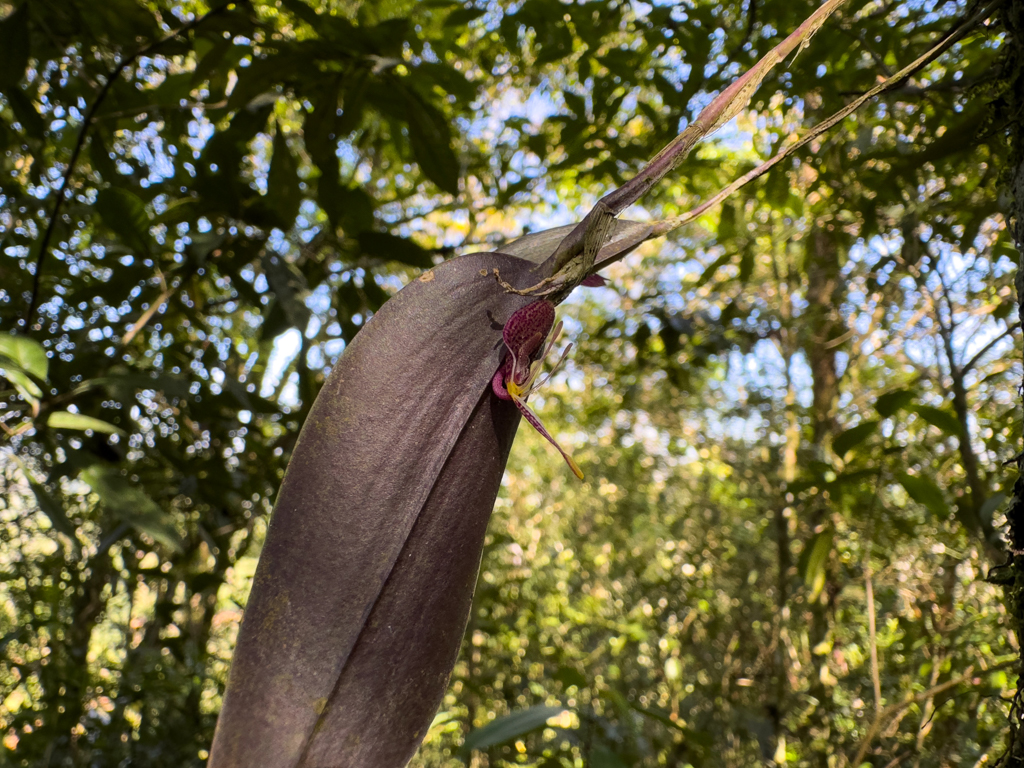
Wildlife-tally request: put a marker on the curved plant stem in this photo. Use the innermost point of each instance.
(721, 110)
(664, 227)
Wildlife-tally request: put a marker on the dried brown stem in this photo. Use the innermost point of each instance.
(666, 226)
(721, 110)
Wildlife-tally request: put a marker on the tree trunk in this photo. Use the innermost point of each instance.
(69, 693)
(1012, 104)
(823, 324)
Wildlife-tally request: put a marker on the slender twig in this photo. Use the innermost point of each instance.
(666, 226)
(898, 708)
(724, 107)
(869, 590)
(949, 86)
(112, 538)
(148, 315)
(875, 55)
(869, 594)
(151, 107)
(87, 121)
(729, 103)
(988, 348)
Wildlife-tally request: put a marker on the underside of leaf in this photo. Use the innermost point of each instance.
(364, 582)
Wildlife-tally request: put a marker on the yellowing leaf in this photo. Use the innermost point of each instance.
(68, 420)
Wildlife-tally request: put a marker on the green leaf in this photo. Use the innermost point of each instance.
(944, 420)
(68, 420)
(24, 354)
(303, 11)
(576, 104)
(123, 385)
(283, 191)
(320, 126)
(568, 676)
(356, 94)
(656, 713)
(49, 506)
(854, 478)
(14, 47)
(727, 222)
(124, 213)
(290, 287)
(818, 551)
(992, 503)
(431, 141)
(25, 112)
(348, 207)
(275, 322)
(25, 386)
(172, 91)
(53, 510)
(890, 402)
(462, 16)
(601, 756)
(131, 504)
(210, 61)
(852, 437)
(776, 187)
(712, 268)
(746, 264)
(388, 247)
(924, 491)
(177, 211)
(504, 729)
(449, 78)
(99, 155)
(203, 244)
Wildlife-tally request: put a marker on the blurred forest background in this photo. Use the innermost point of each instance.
(793, 414)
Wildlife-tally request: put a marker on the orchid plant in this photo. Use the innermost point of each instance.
(365, 582)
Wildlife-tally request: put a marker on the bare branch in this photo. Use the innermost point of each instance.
(988, 348)
(87, 121)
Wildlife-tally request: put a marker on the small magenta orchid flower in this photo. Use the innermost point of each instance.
(517, 378)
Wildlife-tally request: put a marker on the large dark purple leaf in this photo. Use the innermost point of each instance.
(366, 578)
(365, 581)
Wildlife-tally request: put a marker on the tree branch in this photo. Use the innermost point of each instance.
(969, 365)
(87, 121)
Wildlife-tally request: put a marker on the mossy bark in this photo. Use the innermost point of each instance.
(1010, 102)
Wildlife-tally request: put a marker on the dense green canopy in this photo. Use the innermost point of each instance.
(793, 414)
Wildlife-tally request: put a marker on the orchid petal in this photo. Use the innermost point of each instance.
(554, 368)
